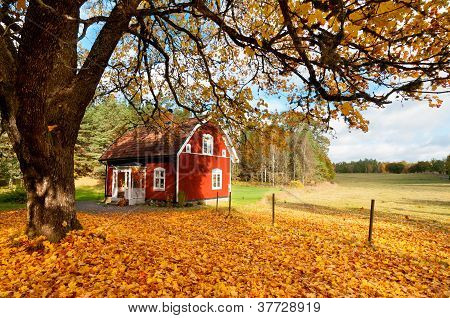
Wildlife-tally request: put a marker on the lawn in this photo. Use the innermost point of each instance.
(89, 193)
(87, 189)
(243, 194)
(6, 206)
(317, 248)
(11, 206)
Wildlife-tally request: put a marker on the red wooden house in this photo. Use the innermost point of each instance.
(189, 159)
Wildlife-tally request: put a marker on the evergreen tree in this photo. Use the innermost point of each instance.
(102, 124)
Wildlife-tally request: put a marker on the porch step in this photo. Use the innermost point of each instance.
(119, 203)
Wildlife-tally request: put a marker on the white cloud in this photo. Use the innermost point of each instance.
(412, 131)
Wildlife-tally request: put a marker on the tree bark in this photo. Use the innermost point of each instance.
(51, 195)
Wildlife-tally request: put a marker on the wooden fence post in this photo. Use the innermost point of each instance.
(372, 211)
(217, 201)
(229, 204)
(273, 208)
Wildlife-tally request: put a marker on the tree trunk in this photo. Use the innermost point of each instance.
(43, 97)
(50, 192)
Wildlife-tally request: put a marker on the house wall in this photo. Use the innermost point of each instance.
(169, 193)
(195, 169)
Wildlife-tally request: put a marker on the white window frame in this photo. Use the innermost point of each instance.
(209, 140)
(224, 152)
(188, 148)
(216, 174)
(159, 174)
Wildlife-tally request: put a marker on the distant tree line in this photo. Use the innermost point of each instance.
(360, 166)
(440, 166)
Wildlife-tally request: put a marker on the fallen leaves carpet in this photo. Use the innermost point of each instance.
(203, 254)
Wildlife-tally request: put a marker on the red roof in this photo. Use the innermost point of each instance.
(144, 141)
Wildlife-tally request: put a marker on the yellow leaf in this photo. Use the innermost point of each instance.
(346, 108)
(249, 51)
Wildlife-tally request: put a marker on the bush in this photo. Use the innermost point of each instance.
(18, 195)
(421, 166)
(395, 167)
(296, 184)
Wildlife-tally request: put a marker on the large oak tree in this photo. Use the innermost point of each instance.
(330, 58)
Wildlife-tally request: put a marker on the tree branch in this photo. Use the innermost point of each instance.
(91, 72)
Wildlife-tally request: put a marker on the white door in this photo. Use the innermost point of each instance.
(121, 183)
(138, 186)
(131, 185)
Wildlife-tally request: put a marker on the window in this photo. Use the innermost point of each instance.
(216, 179)
(188, 148)
(207, 145)
(224, 153)
(159, 179)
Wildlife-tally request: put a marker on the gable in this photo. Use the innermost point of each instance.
(221, 141)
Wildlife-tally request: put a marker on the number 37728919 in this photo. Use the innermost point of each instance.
(284, 306)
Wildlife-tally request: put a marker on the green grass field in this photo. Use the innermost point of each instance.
(89, 193)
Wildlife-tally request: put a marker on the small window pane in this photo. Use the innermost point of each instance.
(159, 179)
(217, 179)
(207, 145)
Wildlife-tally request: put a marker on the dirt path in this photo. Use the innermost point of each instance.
(95, 207)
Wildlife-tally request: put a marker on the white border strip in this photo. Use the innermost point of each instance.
(231, 307)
